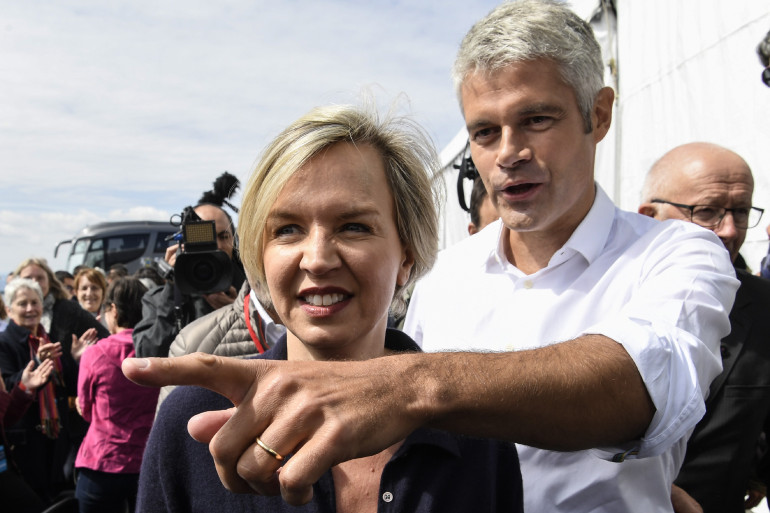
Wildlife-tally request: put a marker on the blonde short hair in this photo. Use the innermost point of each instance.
(410, 164)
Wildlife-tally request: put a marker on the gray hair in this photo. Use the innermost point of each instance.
(528, 30)
(410, 163)
(17, 284)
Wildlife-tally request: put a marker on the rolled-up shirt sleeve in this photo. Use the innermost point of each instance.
(672, 327)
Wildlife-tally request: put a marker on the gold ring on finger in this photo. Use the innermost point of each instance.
(270, 451)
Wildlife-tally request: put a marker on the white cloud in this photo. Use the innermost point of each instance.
(130, 109)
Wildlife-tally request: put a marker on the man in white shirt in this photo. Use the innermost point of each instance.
(608, 322)
(564, 264)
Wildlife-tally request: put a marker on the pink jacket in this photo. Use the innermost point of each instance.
(120, 411)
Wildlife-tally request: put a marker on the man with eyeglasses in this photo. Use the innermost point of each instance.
(712, 186)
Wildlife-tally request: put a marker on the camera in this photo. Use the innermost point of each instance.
(200, 267)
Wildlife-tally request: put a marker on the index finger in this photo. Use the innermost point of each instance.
(230, 377)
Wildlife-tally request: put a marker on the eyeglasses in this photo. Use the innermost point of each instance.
(710, 217)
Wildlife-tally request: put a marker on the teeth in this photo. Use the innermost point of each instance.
(325, 300)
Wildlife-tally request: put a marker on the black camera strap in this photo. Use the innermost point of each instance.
(467, 171)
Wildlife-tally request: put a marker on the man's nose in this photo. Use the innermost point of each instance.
(513, 149)
(727, 231)
(726, 228)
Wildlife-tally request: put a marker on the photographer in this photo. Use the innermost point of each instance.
(165, 310)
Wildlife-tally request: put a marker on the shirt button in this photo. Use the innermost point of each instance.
(387, 497)
(528, 284)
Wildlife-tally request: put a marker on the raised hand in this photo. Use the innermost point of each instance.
(79, 345)
(49, 350)
(34, 378)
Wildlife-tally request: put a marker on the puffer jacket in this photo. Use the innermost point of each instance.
(223, 332)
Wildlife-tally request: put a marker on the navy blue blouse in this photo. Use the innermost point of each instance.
(432, 471)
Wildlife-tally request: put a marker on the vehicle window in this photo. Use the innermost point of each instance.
(161, 243)
(95, 255)
(78, 254)
(124, 248)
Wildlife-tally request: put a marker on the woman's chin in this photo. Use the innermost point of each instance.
(90, 307)
(30, 325)
(336, 343)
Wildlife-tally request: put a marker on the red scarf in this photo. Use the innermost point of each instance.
(50, 423)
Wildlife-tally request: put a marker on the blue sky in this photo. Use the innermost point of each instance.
(130, 109)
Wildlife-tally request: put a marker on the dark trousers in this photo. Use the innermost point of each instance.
(103, 492)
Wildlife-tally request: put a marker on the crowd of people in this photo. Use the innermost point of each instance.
(567, 356)
(50, 332)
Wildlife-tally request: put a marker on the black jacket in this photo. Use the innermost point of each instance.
(42, 461)
(165, 312)
(69, 318)
(721, 453)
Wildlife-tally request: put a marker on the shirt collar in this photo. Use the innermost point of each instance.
(591, 235)
(273, 330)
(588, 239)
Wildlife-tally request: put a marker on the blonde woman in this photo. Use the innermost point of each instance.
(337, 221)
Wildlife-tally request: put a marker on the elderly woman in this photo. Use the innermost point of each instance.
(69, 324)
(120, 412)
(337, 221)
(90, 286)
(41, 439)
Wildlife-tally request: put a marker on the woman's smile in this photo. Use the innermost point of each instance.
(324, 300)
(333, 256)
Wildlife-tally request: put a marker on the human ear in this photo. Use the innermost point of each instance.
(601, 114)
(405, 269)
(647, 209)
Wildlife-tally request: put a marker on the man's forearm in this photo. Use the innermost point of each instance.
(575, 395)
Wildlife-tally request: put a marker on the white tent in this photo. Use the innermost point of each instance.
(682, 71)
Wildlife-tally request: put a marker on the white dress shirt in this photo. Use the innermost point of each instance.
(273, 330)
(661, 289)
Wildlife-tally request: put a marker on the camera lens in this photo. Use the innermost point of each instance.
(203, 272)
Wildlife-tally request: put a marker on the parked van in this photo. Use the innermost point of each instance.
(132, 243)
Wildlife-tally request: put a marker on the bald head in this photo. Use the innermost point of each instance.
(700, 174)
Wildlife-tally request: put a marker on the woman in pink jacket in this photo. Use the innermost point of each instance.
(120, 412)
